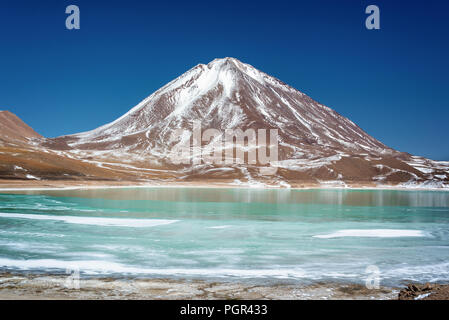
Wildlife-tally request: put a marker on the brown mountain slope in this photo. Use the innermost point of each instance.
(316, 144)
(12, 128)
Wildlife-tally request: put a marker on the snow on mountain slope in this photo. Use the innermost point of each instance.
(315, 142)
(227, 94)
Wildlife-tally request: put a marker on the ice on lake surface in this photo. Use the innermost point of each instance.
(229, 234)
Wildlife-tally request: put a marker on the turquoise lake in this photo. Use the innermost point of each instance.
(228, 234)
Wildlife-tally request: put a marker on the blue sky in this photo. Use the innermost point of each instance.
(392, 82)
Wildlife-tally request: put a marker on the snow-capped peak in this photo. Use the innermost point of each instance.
(227, 93)
(315, 142)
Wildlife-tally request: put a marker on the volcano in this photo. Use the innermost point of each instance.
(316, 144)
(228, 94)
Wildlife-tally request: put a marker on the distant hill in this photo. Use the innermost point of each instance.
(12, 128)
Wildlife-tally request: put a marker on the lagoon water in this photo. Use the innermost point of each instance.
(229, 234)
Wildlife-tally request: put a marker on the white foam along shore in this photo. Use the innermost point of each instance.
(93, 267)
(97, 221)
(106, 268)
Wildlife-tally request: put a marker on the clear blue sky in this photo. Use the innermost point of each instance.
(394, 83)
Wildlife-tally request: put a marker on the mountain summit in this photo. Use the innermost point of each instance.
(229, 94)
(316, 144)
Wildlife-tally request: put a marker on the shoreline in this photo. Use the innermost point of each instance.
(26, 286)
(48, 185)
(47, 286)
